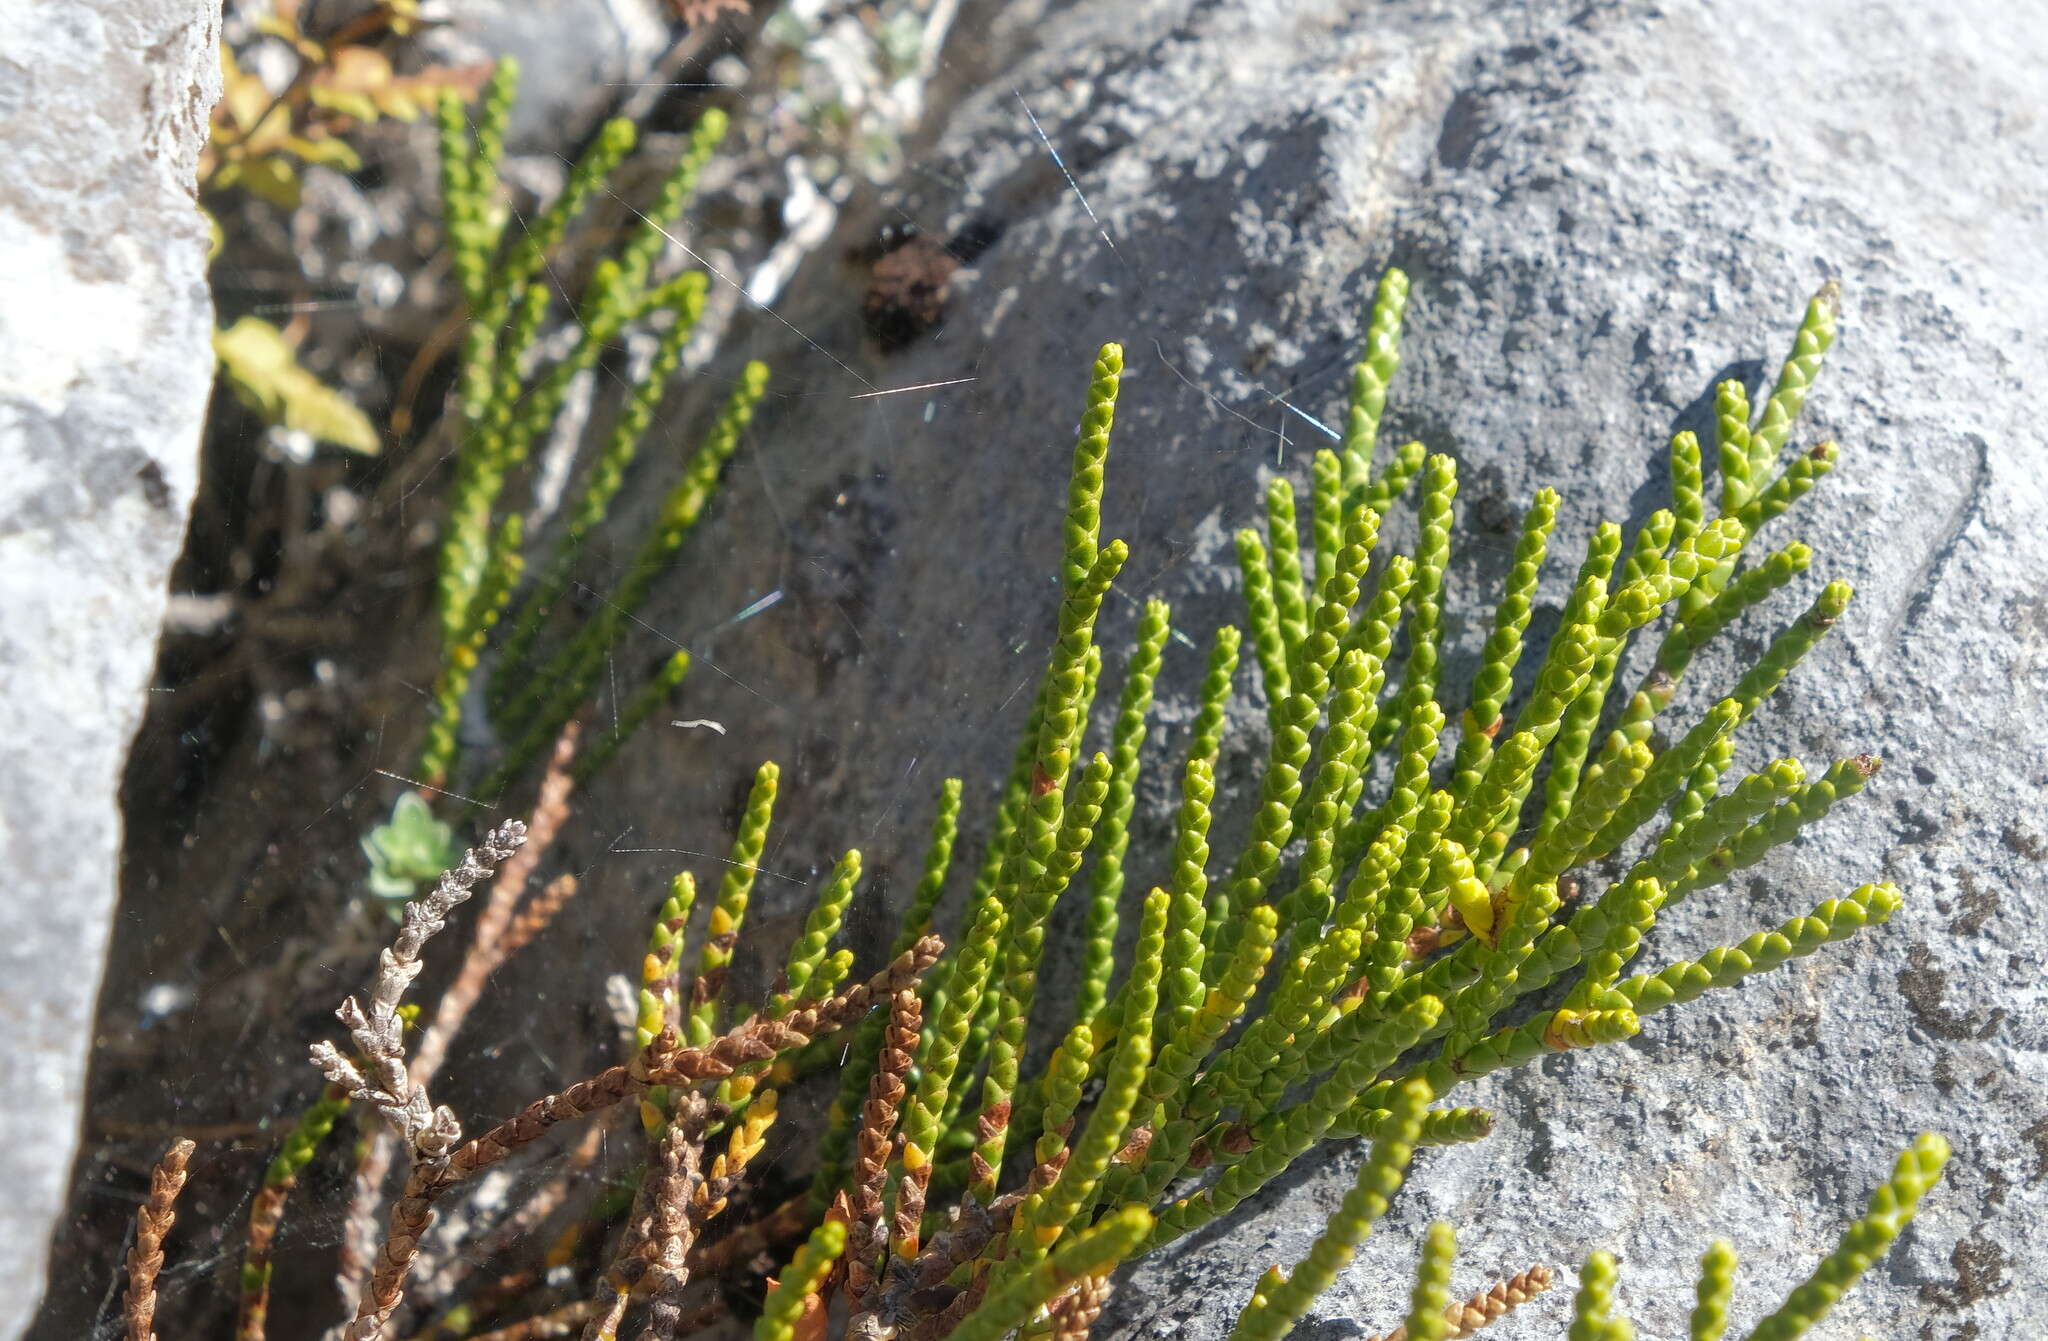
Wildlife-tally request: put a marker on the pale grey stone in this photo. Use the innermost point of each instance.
(104, 371)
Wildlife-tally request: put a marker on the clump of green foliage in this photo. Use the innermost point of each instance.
(1359, 957)
(519, 278)
(510, 393)
(411, 848)
(1394, 897)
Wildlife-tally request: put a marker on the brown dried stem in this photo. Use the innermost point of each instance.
(779, 1226)
(678, 1177)
(563, 1321)
(488, 948)
(266, 1212)
(864, 1238)
(385, 1081)
(1486, 1306)
(570, 1318)
(540, 910)
(152, 1223)
(1076, 1311)
(521, 1224)
(756, 1040)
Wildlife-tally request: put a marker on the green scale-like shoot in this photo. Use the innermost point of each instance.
(1092, 1252)
(1593, 1315)
(1262, 612)
(1292, 1132)
(1167, 1084)
(1370, 379)
(1709, 1317)
(1832, 920)
(1431, 1297)
(600, 487)
(1206, 738)
(1283, 542)
(1504, 644)
(703, 1021)
(783, 1309)
(1106, 880)
(1048, 1215)
(1892, 1207)
(1282, 1300)
(554, 693)
(1425, 613)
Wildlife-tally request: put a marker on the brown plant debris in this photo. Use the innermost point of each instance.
(886, 1091)
(438, 1168)
(1486, 1306)
(152, 1223)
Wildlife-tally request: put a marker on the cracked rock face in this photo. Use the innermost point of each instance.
(104, 371)
(1604, 209)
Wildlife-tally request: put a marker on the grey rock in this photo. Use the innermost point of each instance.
(104, 372)
(1605, 209)
(576, 58)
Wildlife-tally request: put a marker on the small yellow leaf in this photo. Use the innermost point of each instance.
(328, 152)
(270, 178)
(347, 102)
(266, 376)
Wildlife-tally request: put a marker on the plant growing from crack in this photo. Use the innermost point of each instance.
(510, 395)
(1359, 957)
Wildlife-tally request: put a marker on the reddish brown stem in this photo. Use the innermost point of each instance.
(886, 1092)
(152, 1223)
(754, 1041)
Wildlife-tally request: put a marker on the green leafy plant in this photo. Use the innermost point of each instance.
(409, 848)
(265, 375)
(509, 395)
(1364, 952)
(344, 80)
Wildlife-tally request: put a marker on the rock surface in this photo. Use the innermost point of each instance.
(104, 373)
(1605, 209)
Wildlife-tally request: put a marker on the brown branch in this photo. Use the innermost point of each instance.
(568, 1319)
(1074, 1314)
(152, 1223)
(488, 1300)
(972, 1228)
(518, 1226)
(386, 1082)
(540, 910)
(780, 1225)
(563, 1321)
(377, 1030)
(266, 1212)
(933, 1326)
(488, 950)
(756, 1040)
(873, 1143)
(603, 1324)
(1486, 1306)
(678, 1176)
(266, 1208)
